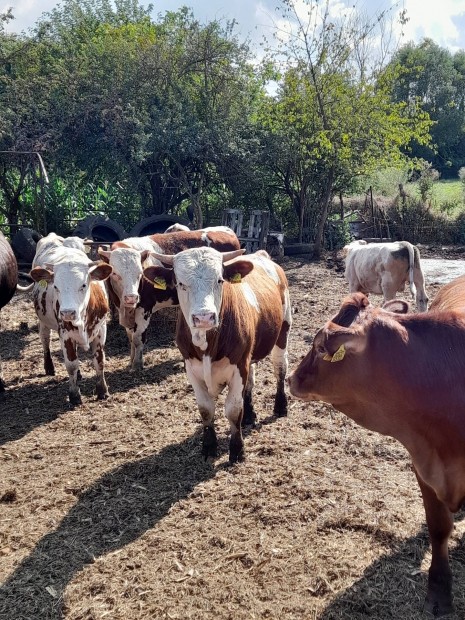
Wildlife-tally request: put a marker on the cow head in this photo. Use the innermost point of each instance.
(71, 285)
(126, 273)
(199, 275)
(327, 372)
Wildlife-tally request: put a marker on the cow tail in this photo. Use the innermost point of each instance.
(411, 264)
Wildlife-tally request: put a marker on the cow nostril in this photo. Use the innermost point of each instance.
(207, 319)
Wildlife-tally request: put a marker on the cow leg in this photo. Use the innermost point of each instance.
(440, 524)
(206, 405)
(250, 417)
(279, 359)
(69, 348)
(2, 383)
(388, 286)
(139, 336)
(98, 357)
(44, 335)
(233, 410)
(130, 333)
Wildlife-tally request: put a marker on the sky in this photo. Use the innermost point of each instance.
(443, 21)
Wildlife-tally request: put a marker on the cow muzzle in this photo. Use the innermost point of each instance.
(131, 300)
(204, 321)
(68, 315)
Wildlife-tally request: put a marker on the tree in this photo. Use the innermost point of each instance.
(331, 120)
(433, 76)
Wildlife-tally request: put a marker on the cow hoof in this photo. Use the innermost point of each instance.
(237, 457)
(50, 372)
(75, 400)
(250, 418)
(437, 608)
(103, 396)
(280, 406)
(209, 443)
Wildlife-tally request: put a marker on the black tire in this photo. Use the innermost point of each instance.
(24, 244)
(99, 228)
(156, 224)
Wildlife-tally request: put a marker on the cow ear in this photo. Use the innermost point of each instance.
(100, 271)
(104, 254)
(39, 274)
(350, 309)
(399, 306)
(144, 255)
(338, 341)
(238, 269)
(159, 277)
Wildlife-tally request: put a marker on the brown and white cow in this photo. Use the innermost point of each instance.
(8, 281)
(384, 269)
(402, 375)
(70, 297)
(233, 314)
(137, 299)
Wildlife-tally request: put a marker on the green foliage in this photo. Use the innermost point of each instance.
(433, 76)
(386, 181)
(337, 233)
(426, 180)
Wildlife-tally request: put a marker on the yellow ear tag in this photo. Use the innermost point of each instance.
(339, 355)
(236, 278)
(42, 283)
(159, 283)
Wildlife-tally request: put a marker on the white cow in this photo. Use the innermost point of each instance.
(384, 269)
(70, 298)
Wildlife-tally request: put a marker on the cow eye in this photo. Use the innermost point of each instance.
(83, 287)
(221, 281)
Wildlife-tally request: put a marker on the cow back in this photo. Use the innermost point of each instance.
(450, 297)
(172, 243)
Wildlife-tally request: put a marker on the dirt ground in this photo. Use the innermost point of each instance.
(109, 511)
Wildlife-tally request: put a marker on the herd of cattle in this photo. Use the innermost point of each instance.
(391, 370)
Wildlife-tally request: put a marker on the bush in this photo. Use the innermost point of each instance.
(410, 220)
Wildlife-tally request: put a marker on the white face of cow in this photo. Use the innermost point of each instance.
(70, 282)
(127, 273)
(199, 281)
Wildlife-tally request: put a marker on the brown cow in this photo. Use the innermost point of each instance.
(402, 375)
(8, 281)
(233, 314)
(138, 299)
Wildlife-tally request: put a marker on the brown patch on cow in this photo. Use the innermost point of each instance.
(283, 335)
(244, 334)
(99, 356)
(71, 349)
(97, 307)
(401, 254)
(172, 243)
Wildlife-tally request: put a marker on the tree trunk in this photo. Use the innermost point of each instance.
(325, 200)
